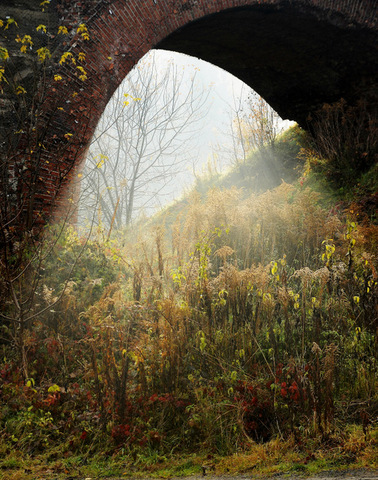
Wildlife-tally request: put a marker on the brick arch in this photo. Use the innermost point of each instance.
(215, 30)
(296, 53)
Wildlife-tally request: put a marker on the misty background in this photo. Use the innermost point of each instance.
(170, 121)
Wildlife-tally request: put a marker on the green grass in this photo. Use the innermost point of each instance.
(274, 457)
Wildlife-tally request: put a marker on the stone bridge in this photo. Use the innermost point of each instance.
(297, 54)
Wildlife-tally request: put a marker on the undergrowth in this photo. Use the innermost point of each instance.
(238, 335)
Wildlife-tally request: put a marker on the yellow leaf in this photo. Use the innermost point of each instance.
(44, 4)
(57, 78)
(274, 268)
(43, 53)
(30, 382)
(66, 56)
(10, 21)
(82, 29)
(80, 175)
(20, 90)
(62, 30)
(4, 55)
(54, 388)
(41, 27)
(2, 76)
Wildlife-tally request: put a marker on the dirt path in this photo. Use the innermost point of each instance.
(361, 474)
(327, 475)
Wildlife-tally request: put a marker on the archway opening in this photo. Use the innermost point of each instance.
(173, 117)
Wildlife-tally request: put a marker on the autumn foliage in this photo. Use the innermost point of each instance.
(237, 319)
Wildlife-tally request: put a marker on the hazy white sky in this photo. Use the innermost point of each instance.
(223, 88)
(225, 92)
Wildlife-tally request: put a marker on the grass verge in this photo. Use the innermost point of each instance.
(350, 450)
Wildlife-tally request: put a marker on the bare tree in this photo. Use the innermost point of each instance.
(253, 124)
(142, 140)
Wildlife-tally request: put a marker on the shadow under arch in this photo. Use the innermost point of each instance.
(296, 57)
